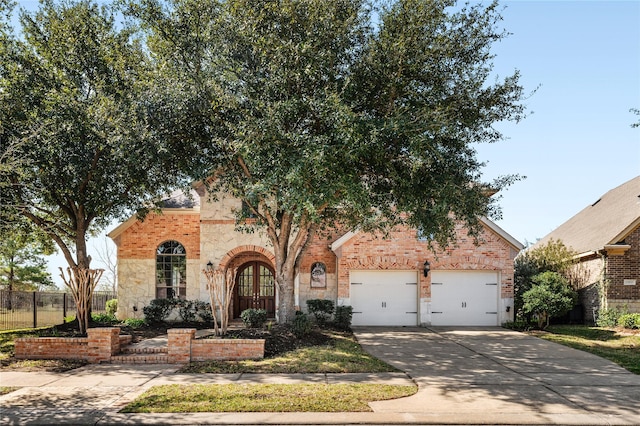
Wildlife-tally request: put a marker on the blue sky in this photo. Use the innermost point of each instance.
(584, 59)
(578, 142)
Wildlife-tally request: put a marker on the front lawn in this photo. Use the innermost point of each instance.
(264, 398)
(614, 345)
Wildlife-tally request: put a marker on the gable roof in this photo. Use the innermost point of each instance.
(176, 202)
(605, 222)
(485, 221)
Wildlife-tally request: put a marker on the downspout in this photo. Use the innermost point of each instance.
(604, 281)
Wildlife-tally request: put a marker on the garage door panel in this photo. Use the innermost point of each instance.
(464, 298)
(384, 297)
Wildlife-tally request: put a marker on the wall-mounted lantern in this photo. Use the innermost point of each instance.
(426, 268)
(209, 266)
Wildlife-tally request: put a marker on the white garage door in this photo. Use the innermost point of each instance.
(464, 298)
(384, 297)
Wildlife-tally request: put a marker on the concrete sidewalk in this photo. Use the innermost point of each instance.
(95, 393)
(466, 376)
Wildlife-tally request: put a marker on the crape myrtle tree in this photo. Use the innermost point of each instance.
(72, 122)
(323, 112)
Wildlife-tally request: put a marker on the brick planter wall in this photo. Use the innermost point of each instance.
(183, 347)
(99, 345)
(226, 349)
(51, 348)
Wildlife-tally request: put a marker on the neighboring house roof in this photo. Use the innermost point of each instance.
(181, 200)
(605, 222)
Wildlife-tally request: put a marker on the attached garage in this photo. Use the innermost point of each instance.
(384, 297)
(465, 298)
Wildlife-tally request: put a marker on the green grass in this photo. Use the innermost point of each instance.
(342, 355)
(264, 398)
(6, 389)
(624, 350)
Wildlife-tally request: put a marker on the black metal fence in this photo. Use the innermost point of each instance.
(27, 309)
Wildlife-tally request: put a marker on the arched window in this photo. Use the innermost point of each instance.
(171, 271)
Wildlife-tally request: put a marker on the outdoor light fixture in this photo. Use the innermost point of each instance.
(209, 266)
(427, 268)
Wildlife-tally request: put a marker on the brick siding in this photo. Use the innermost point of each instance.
(141, 240)
(401, 250)
(627, 266)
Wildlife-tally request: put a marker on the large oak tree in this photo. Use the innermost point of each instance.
(73, 138)
(317, 112)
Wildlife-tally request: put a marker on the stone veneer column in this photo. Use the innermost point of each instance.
(179, 345)
(102, 343)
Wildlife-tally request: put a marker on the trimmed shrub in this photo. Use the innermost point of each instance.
(301, 325)
(134, 322)
(186, 310)
(629, 321)
(111, 306)
(609, 317)
(550, 296)
(103, 318)
(321, 309)
(158, 310)
(253, 318)
(342, 317)
(203, 311)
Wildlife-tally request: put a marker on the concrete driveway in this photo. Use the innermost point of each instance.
(493, 375)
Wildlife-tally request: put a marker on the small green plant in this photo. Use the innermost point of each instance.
(111, 306)
(342, 317)
(134, 322)
(609, 317)
(158, 310)
(253, 318)
(321, 309)
(631, 321)
(103, 318)
(301, 325)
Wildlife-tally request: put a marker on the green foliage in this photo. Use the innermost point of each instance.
(609, 317)
(518, 325)
(186, 309)
(550, 296)
(301, 325)
(629, 321)
(253, 318)
(23, 266)
(111, 306)
(342, 317)
(553, 256)
(104, 318)
(321, 309)
(203, 311)
(134, 322)
(74, 130)
(328, 111)
(158, 310)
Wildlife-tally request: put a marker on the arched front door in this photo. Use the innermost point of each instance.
(255, 288)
